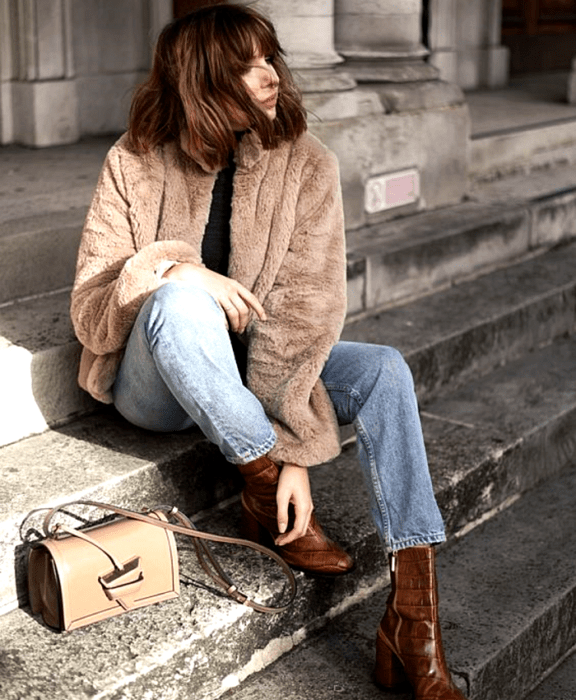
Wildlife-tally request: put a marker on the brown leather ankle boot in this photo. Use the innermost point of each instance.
(313, 552)
(409, 642)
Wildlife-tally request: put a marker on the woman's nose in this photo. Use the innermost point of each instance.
(270, 78)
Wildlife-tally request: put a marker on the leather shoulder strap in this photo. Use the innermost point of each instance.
(205, 557)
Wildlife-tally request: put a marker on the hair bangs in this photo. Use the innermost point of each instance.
(247, 36)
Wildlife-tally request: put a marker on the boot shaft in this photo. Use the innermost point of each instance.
(414, 592)
(410, 629)
(261, 479)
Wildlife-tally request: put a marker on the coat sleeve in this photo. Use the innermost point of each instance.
(114, 273)
(306, 309)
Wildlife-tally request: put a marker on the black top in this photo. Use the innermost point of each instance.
(216, 241)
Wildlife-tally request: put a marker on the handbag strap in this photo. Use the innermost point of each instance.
(205, 557)
(83, 536)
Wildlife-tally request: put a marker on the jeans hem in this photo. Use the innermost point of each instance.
(416, 541)
(255, 453)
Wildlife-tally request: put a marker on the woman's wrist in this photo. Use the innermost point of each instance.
(163, 267)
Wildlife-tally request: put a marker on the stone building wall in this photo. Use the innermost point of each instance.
(67, 67)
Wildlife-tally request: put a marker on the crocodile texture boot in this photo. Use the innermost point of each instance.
(409, 643)
(313, 552)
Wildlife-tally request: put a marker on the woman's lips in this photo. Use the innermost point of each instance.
(270, 103)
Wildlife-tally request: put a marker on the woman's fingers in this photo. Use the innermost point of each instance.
(282, 505)
(252, 301)
(237, 302)
(301, 522)
(237, 312)
(293, 487)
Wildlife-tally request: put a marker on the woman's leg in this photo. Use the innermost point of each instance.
(371, 386)
(179, 370)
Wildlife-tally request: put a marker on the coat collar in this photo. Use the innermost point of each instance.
(248, 154)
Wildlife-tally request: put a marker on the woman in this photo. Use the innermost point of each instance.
(210, 291)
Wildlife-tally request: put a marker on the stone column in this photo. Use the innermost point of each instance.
(421, 140)
(7, 72)
(443, 38)
(381, 40)
(572, 83)
(44, 91)
(465, 42)
(497, 57)
(381, 110)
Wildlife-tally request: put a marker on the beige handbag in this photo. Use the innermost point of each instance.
(77, 577)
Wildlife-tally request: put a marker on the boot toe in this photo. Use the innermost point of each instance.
(319, 562)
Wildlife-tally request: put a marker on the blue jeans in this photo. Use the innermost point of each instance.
(180, 370)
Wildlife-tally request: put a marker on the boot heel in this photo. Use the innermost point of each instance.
(252, 530)
(390, 672)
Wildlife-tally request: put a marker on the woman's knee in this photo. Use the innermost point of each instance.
(393, 364)
(386, 367)
(184, 301)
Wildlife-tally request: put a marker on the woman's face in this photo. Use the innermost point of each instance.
(262, 83)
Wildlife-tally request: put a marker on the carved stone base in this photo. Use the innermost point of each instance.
(389, 66)
(45, 112)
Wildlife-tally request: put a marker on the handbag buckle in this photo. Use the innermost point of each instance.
(123, 581)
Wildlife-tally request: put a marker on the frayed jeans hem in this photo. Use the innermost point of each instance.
(253, 454)
(417, 542)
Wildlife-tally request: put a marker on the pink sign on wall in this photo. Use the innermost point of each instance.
(392, 190)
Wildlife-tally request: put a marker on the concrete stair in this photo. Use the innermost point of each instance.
(507, 606)
(487, 324)
(489, 441)
(388, 264)
(527, 126)
(506, 151)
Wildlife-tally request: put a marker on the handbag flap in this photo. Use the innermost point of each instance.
(90, 586)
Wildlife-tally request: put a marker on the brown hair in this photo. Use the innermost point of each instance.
(194, 88)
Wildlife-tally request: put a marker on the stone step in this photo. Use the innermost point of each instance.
(560, 683)
(504, 151)
(44, 195)
(39, 253)
(471, 328)
(104, 458)
(388, 264)
(39, 357)
(507, 609)
(43, 200)
(36, 182)
(488, 442)
(411, 257)
(455, 332)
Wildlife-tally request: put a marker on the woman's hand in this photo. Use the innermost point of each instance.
(293, 487)
(237, 302)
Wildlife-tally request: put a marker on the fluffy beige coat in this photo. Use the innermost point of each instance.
(287, 247)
